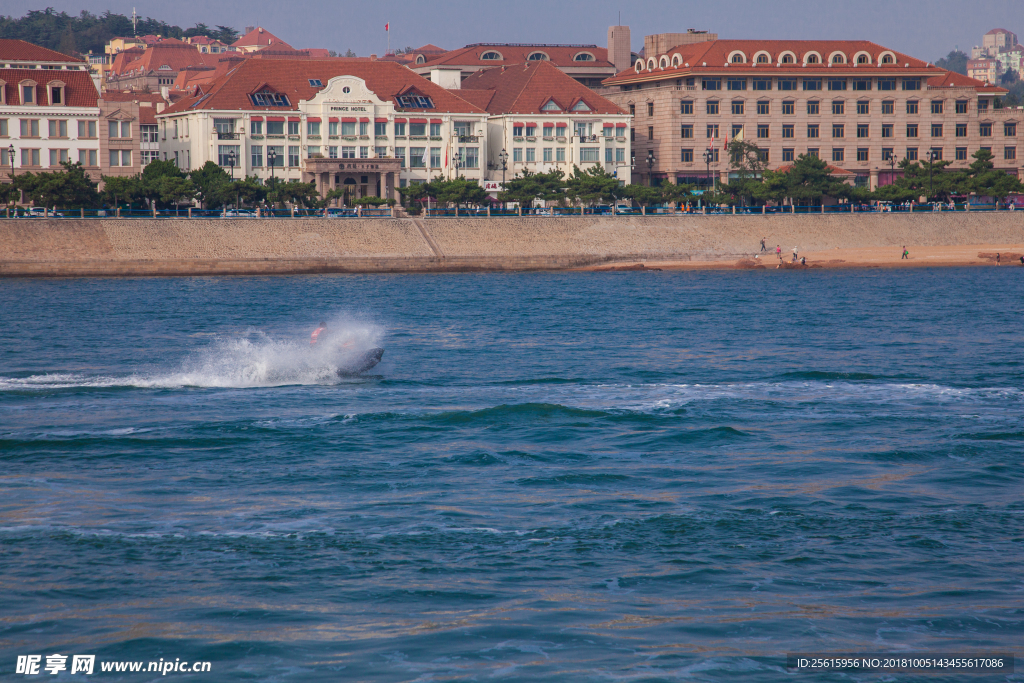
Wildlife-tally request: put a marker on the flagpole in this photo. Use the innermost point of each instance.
(389, 38)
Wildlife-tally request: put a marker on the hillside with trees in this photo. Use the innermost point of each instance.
(77, 35)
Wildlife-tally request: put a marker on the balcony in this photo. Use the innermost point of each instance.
(227, 136)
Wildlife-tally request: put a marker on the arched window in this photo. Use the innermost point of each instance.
(737, 59)
(788, 58)
(813, 58)
(639, 66)
(863, 58)
(420, 59)
(837, 58)
(491, 55)
(537, 57)
(584, 57)
(650, 64)
(763, 59)
(676, 60)
(663, 62)
(888, 58)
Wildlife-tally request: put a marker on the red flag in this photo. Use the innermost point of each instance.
(386, 25)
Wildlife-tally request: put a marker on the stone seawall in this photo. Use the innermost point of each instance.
(69, 247)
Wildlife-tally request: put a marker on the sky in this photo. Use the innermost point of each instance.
(926, 29)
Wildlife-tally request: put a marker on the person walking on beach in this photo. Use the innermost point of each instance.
(778, 251)
(794, 255)
(763, 248)
(905, 253)
(997, 258)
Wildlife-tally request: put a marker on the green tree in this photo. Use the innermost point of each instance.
(592, 186)
(118, 189)
(673, 194)
(457, 191)
(280, 192)
(208, 180)
(956, 61)
(67, 189)
(987, 181)
(175, 190)
(808, 181)
(527, 187)
(748, 166)
(645, 195)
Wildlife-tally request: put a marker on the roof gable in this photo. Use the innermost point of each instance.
(526, 88)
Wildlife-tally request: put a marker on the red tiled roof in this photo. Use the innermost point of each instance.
(147, 115)
(525, 88)
(997, 31)
(170, 53)
(560, 55)
(715, 55)
(131, 96)
(260, 37)
(481, 98)
(951, 79)
(79, 89)
(14, 50)
(291, 77)
(429, 47)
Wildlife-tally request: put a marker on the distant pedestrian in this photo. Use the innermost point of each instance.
(997, 259)
(803, 261)
(778, 251)
(1022, 260)
(906, 254)
(763, 248)
(794, 255)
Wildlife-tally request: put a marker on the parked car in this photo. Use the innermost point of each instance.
(239, 213)
(41, 212)
(340, 212)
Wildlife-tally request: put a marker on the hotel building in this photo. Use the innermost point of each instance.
(857, 105)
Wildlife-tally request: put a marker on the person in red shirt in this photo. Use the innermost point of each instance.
(320, 329)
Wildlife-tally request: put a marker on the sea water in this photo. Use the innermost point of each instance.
(558, 477)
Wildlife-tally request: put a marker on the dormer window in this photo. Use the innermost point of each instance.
(581, 106)
(491, 55)
(415, 102)
(537, 57)
(28, 92)
(56, 91)
(269, 99)
(3, 92)
(550, 106)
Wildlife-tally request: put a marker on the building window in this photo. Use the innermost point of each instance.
(887, 153)
(911, 83)
(686, 131)
(762, 108)
(712, 107)
(838, 154)
(911, 130)
(788, 130)
(632, 134)
(435, 130)
(762, 131)
(256, 127)
(863, 130)
(737, 130)
(29, 157)
(349, 151)
(122, 129)
(961, 130)
(812, 130)
(148, 133)
(517, 131)
(399, 129)
(762, 155)
(559, 155)
(1010, 153)
(911, 153)
(788, 108)
(737, 107)
(29, 128)
(650, 108)
(863, 107)
(961, 153)
(736, 83)
(861, 83)
(88, 157)
(936, 130)
(608, 154)
(589, 154)
(632, 110)
(912, 106)
(57, 128)
(686, 107)
(120, 157)
(787, 84)
(58, 157)
(400, 155)
(256, 156)
(86, 129)
(650, 132)
(549, 154)
(312, 128)
(961, 106)
(761, 83)
(274, 128)
(620, 154)
(813, 107)
(1010, 129)
(531, 155)
(228, 155)
(549, 130)
(711, 84)
(936, 153)
(787, 154)
(28, 95)
(812, 84)
(813, 152)
(712, 130)
(313, 152)
(838, 108)
(886, 83)
(982, 105)
(985, 130)
(837, 84)
(887, 130)
(838, 130)
(687, 156)
(936, 106)
(862, 154)
(517, 154)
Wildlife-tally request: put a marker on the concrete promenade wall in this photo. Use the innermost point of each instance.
(64, 247)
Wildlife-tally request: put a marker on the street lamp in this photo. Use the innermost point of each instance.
(271, 158)
(231, 163)
(650, 167)
(503, 158)
(10, 153)
(709, 156)
(932, 156)
(892, 168)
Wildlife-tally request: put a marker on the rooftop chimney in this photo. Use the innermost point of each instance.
(249, 29)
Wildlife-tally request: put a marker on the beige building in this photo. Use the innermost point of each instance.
(857, 105)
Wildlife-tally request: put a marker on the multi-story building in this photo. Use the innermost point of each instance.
(986, 70)
(858, 105)
(257, 38)
(156, 66)
(544, 120)
(48, 110)
(128, 131)
(365, 126)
